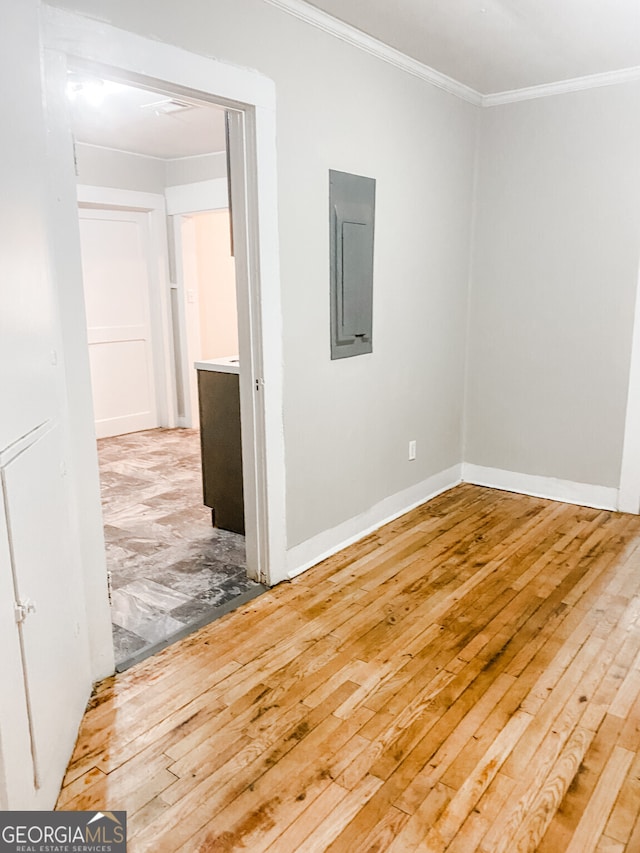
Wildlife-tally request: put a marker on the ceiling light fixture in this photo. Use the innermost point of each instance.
(91, 90)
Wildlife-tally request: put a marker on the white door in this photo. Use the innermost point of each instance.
(115, 267)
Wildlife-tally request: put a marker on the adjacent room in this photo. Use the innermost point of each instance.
(154, 223)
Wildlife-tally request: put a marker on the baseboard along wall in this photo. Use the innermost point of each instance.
(311, 552)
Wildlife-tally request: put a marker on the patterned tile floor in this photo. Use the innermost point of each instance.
(171, 571)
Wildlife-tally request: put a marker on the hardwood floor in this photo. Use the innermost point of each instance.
(466, 679)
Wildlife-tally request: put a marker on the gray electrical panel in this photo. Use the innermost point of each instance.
(351, 218)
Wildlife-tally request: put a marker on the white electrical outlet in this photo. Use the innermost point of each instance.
(412, 450)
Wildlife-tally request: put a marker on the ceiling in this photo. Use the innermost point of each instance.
(114, 115)
(500, 45)
(492, 46)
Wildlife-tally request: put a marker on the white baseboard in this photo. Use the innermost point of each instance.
(566, 491)
(307, 554)
(301, 557)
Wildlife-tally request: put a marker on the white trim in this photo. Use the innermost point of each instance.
(307, 554)
(124, 151)
(222, 153)
(119, 199)
(267, 313)
(562, 87)
(194, 198)
(351, 35)
(356, 38)
(565, 491)
(183, 230)
(126, 56)
(150, 156)
(629, 492)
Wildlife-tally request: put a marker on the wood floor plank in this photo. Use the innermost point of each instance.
(285, 789)
(466, 678)
(412, 835)
(431, 773)
(634, 840)
(594, 817)
(350, 805)
(626, 810)
(579, 788)
(545, 802)
(496, 798)
(478, 779)
(214, 793)
(609, 845)
(325, 807)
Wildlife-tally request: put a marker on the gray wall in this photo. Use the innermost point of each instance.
(190, 170)
(557, 238)
(105, 167)
(348, 423)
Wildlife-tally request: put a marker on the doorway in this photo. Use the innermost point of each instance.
(139, 153)
(253, 162)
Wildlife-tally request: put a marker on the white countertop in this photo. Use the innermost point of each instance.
(226, 364)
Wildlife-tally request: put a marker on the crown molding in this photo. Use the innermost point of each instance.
(575, 84)
(351, 35)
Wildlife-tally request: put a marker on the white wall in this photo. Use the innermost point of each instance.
(348, 422)
(216, 285)
(557, 243)
(105, 167)
(191, 170)
(34, 389)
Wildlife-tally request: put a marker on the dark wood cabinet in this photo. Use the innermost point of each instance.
(220, 439)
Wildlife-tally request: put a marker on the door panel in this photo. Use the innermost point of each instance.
(54, 655)
(116, 277)
(122, 396)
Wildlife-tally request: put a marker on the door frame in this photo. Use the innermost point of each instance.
(184, 201)
(188, 320)
(72, 40)
(156, 250)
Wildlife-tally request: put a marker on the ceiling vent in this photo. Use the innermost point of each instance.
(168, 106)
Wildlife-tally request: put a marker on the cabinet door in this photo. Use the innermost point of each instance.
(220, 440)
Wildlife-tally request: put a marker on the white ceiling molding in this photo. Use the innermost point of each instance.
(120, 150)
(351, 35)
(577, 84)
(151, 156)
(371, 45)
